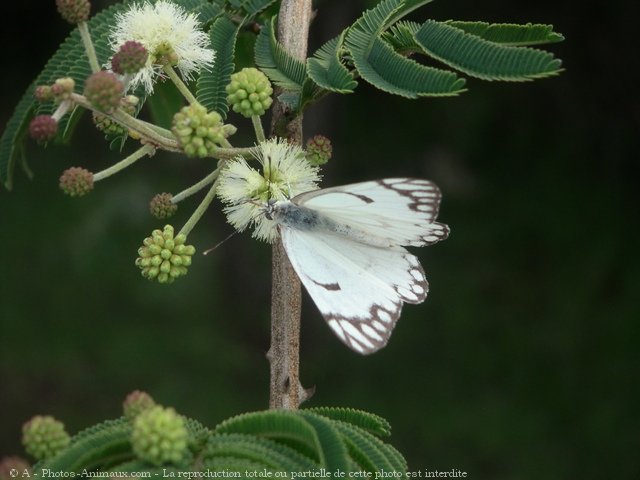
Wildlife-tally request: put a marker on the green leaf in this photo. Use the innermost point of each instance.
(98, 446)
(401, 37)
(134, 465)
(509, 33)
(74, 117)
(253, 7)
(334, 452)
(211, 85)
(483, 59)
(250, 7)
(207, 12)
(11, 142)
(283, 69)
(278, 425)
(297, 101)
(326, 69)
(273, 454)
(369, 451)
(364, 449)
(384, 68)
(365, 420)
(405, 7)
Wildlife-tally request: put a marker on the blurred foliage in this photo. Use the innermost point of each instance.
(521, 364)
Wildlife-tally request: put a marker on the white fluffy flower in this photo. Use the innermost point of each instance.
(164, 29)
(285, 174)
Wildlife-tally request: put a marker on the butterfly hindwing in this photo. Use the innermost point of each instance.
(358, 288)
(400, 210)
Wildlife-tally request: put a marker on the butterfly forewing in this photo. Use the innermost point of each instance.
(358, 288)
(401, 211)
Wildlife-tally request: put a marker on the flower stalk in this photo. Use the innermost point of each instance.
(208, 180)
(257, 126)
(204, 205)
(83, 28)
(121, 165)
(141, 128)
(177, 81)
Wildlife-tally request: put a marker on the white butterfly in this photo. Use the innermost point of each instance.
(345, 244)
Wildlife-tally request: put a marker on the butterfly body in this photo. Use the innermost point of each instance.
(347, 246)
(290, 215)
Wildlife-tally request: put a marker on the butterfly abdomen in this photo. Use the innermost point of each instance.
(306, 219)
(296, 217)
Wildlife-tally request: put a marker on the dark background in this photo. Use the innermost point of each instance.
(522, 364)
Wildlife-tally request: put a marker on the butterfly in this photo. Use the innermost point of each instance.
(347, 246)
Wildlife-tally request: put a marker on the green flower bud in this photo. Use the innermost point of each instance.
(63, 88)
(104, 91)
(76, 181)
(108, 126)
(130, 58)
(198, 131)
(74, 11)
(159, 436)
(249, 92)
(161, 206)
(164, 257)
(44, 437)
(319, 150)
(43, 128)
(136, 403)
(43, 93)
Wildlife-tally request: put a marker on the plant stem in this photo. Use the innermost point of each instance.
(132, 123)
(62, 110)
(175, 78)
(227, 153)
(161, 131)
(121, 165)
(83, 28)
(257, 126)
(195, 188)
(197, 215)
(284, 353)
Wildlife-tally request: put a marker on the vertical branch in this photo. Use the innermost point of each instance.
(284, 353)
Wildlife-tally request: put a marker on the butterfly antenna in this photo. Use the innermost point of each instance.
(206, 252)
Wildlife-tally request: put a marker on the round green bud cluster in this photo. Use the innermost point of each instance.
(63, 88)
(74, 11)
(43, 128)
(159, 436)
(130, 58)
(14, 467)
(198, 131)
(43, 93)
(161, 207)
(104, 91)
(76, 181)
(163, 257)
(319, 150)
(110, 127)
(44, 436)
(249, 92)
(136, 403)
